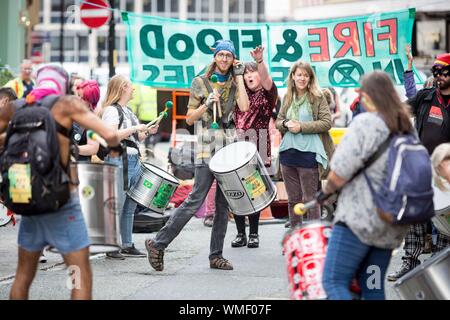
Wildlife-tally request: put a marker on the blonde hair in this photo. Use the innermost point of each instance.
(114, 92)
(313, 90)
(441, 153)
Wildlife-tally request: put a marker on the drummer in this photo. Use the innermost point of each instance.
(118, 115)
(64, 229)
(254, 124)
(231, 92)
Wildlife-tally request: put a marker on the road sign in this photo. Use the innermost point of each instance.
(95, 13)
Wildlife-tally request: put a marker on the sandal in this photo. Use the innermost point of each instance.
(155, 256)
(220, 263)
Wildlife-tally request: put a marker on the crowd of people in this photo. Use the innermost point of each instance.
(247, 97)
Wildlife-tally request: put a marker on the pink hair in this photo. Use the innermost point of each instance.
(90, 92)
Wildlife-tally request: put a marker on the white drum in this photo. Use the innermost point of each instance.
(441, 201)
(4, 217)
(242, 178)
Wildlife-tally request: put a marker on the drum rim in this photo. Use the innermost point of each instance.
(176, 181)
(235, 169)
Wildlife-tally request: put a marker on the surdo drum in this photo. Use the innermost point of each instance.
(154, 188)
(242, 178)
(99, 197)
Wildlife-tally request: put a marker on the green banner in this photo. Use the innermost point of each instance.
(169, 53)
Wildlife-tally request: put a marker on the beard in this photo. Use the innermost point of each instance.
(444, 84)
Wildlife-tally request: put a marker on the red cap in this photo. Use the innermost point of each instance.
(442, 60)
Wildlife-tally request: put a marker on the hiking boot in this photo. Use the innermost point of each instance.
(220, 263)
(253, 240)
(240, 241)
(115, 255)
(155, 256)
(132, 252)
(404, 269)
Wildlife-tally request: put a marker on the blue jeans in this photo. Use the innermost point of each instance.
(347, 258)
(129, 205)
(64, 229)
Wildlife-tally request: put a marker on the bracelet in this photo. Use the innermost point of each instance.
(284, 123)
(260, 61)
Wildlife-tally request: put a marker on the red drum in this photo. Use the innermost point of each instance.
(305, 250)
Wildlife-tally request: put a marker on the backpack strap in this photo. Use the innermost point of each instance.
(207, 84)
(374, 157)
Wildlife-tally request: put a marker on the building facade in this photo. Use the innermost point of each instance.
(87, 49)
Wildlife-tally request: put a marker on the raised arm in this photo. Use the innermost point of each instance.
(266, 79)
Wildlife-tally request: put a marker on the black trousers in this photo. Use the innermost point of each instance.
(253, 220)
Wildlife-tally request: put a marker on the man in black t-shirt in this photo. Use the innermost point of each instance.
(431, 108)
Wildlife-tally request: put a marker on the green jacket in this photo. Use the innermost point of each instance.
(144, 103)
(321, 125)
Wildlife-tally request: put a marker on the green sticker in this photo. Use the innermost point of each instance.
(148, 184)
(254, 185)
(163, 195)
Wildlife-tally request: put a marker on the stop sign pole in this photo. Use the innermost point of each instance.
(111, 41)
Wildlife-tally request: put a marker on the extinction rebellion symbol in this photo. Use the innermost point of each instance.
(234, 194)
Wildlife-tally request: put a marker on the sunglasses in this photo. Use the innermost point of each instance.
(440, 71)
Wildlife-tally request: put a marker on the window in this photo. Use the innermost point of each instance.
(261, 7)
(174, 5)
(147, 6)
(129, 6)
(161, 6)
(205, 6)
(248, 6)
(218, 6)
(191, 5)
(55, 12)
(83, 43)
(234, 6)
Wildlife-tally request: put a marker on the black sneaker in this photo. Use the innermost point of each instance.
(132, 252)
(404, 269)
(240, 241)
(115, 255)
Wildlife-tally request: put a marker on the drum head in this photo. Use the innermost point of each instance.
(441, 198)
(232, 157)
(160, 172)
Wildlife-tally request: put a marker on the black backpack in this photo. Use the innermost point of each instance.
(34, 180)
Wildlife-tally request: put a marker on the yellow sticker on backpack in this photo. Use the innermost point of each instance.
(19, 176)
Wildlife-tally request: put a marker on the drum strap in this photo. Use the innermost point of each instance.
(229, 106)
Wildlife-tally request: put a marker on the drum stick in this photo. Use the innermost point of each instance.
(94, 136)
(162, 114)
(214, 80)
(302, 208)
(214, 125)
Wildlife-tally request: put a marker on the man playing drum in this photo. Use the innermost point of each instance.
(214, 108)
(65, 228)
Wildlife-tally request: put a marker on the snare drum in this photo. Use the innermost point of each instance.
(5, 218)
(305, 250)
(99, 186)
(154, 188)
(242, 177)
(441, 220)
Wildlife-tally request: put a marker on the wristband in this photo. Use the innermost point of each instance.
(284, 123)
(260, 61)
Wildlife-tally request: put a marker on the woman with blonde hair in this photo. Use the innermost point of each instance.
(306, 148)
(440, 160)
(118, 115)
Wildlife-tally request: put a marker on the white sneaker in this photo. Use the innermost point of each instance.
(42, 258)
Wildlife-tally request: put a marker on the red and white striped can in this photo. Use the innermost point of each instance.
(305, 249)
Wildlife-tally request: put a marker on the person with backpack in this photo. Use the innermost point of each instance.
(37, 182)
(230, 93)
(117, 115)
(430, 106)
(375, 180)
(254, 124)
